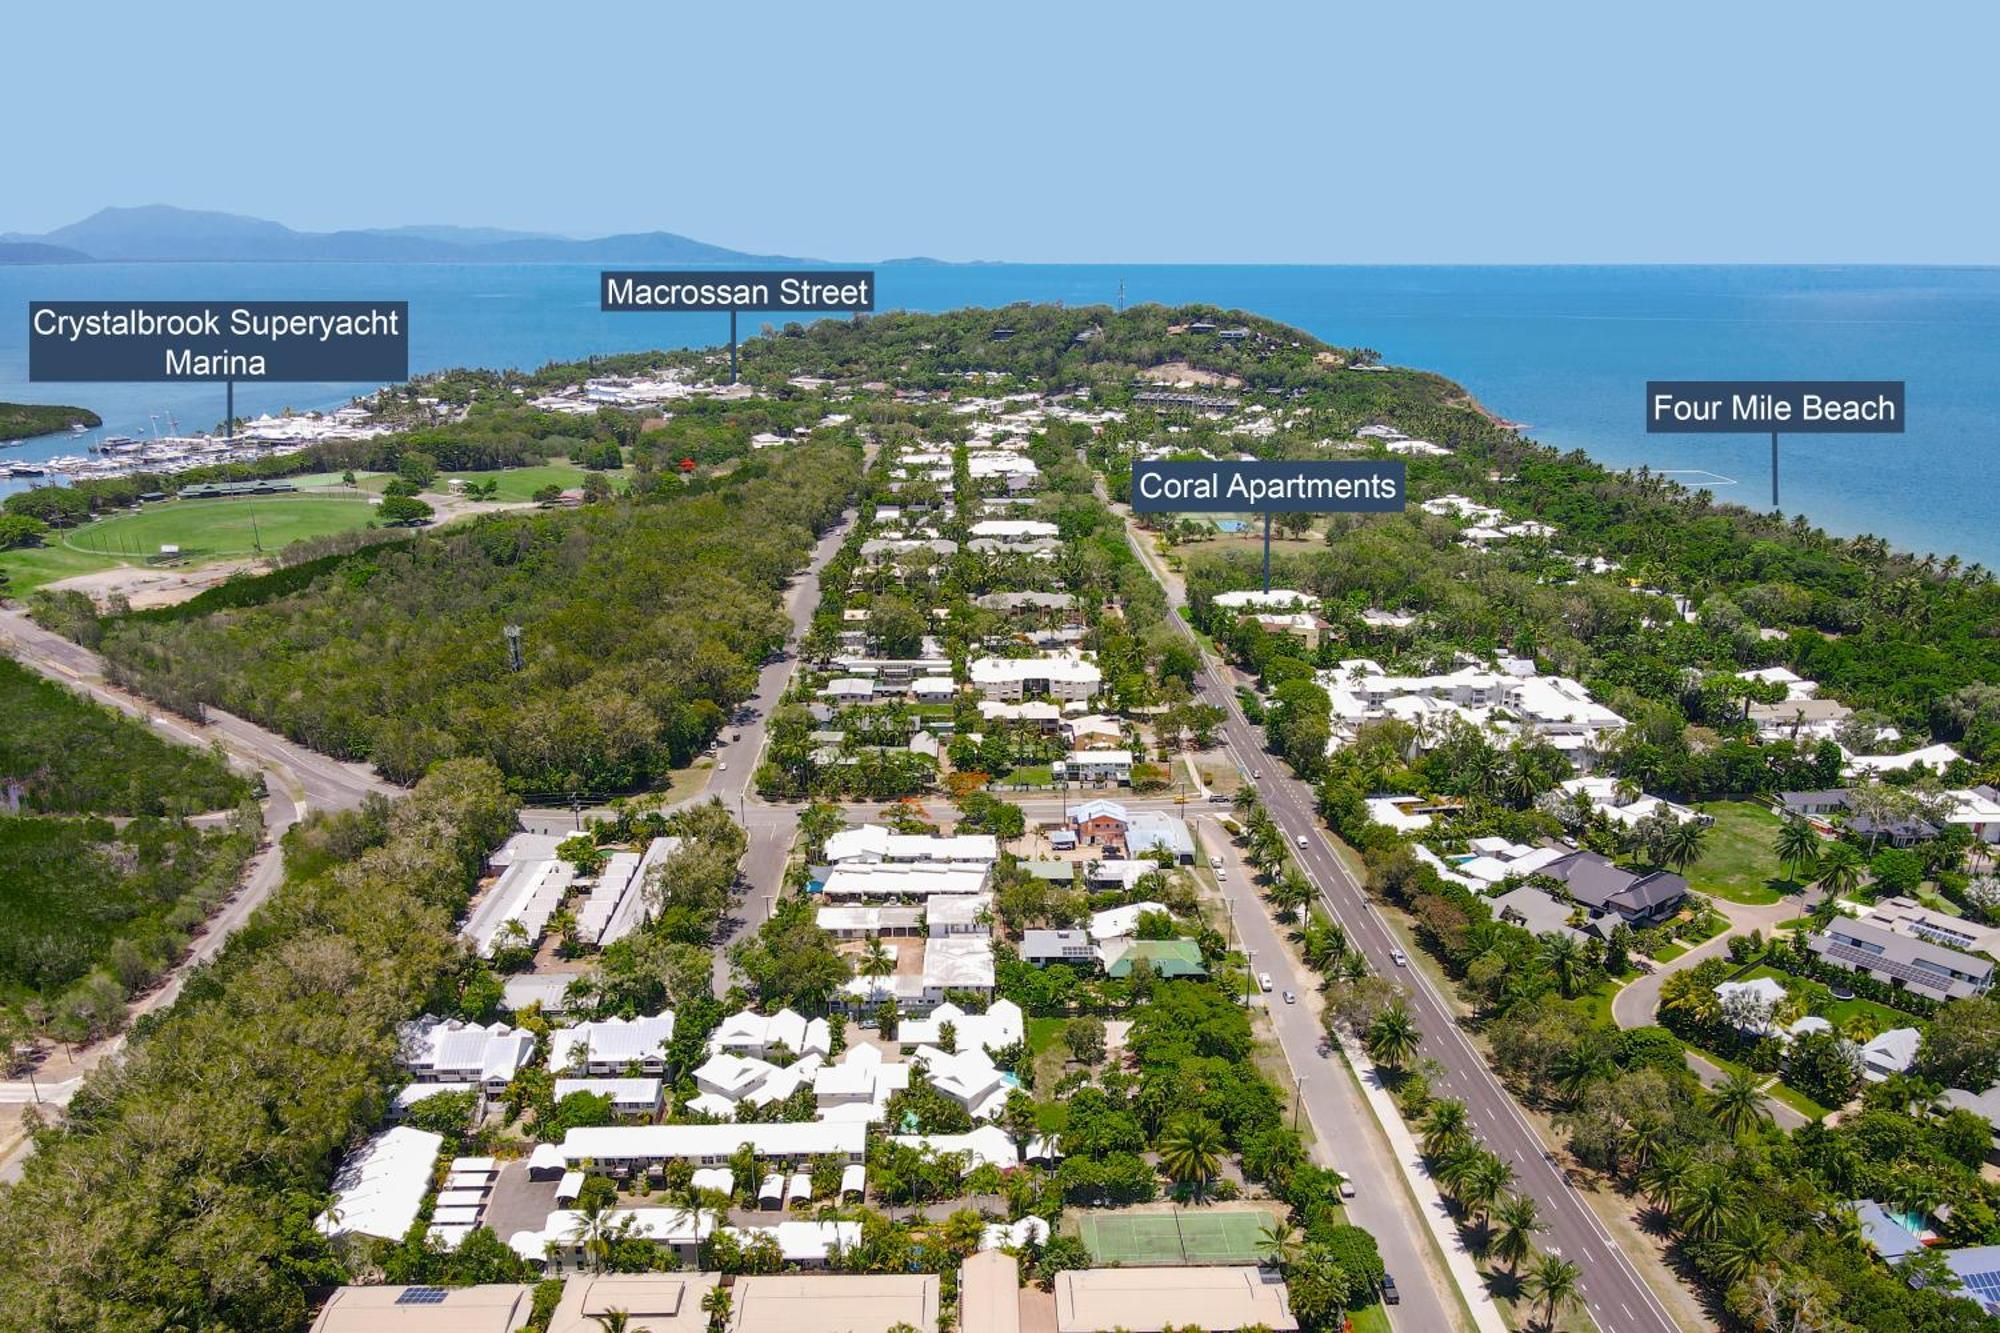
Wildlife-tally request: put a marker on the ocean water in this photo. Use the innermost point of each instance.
(1567, 350)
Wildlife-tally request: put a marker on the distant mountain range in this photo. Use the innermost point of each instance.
(159, 233)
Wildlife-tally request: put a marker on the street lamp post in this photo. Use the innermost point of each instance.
(1298, 1097)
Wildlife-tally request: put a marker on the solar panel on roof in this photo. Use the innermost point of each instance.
(422, 1296)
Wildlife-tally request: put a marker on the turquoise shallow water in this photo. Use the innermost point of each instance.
(1567, 350)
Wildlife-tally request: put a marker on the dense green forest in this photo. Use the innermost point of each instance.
(78, 894)
(643, 623)
(181, 1190)
(20, 421)
(61, 753)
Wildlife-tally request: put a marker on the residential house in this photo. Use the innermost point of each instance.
(1931, 970)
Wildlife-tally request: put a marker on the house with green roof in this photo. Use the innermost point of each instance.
(1170, 958)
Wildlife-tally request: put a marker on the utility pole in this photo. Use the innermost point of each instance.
(1298, 1095)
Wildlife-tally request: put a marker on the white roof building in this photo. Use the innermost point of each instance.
(1121, 923)
(1001, 1026)
(1939, 757)
(1061, 676)
(912, 880)
(874, 843)
(629, 1096)
(987, 1145)
(437, 1050)
(1277, 599)
(613, 1045)
(787, 1142)
(381, 1186)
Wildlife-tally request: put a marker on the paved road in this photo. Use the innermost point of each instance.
(1636, 1003)
(1341, 1122)
(772, 828)
(1617, 1296)
(295, 779)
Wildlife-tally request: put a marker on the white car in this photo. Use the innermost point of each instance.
(1291, 998)
(1264, 982)
(1302, 842)
(722, 768)
(1215, 863)
(1221, 875)
(1399, 958)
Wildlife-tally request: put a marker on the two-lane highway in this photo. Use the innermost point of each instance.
(1615, 1293)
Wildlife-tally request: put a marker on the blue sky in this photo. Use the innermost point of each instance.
(1364, 133)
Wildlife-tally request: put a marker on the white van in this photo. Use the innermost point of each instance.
(1302, 842)
(1264, 982)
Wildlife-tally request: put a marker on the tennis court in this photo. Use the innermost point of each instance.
(1178, 1237)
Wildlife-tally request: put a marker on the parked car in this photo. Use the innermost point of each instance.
(1221, 875)
(1390, 1296)
(1346, 1188)
(1264, 982)
(1215, 863)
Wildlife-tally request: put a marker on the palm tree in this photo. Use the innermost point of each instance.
(1485, 1185)
(1839, 869)
(1563, 956)
(1844, 1225)
(1751, 1244)
(1643, 1139)
(1291, 893)
(615, 1320)
(1280, 1243)
(875, 959)
(1736, 1104)
(715, 1303)
(1393, 1037)
(1519, 1220)
(1454, 1172)
(1446, 1128)
(1667, 1179)
(1708, 1204)
(1554, 1283)
(1191, 1151)
(595, 1231)
(1683, 843)
(1798, 848)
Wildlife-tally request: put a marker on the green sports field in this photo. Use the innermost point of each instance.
(207, 529)
(204, 530)
(1178, 1237)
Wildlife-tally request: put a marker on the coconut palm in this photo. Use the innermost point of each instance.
(1843, 1223)
(1665, 1181)
(1191, 1151)
(1563, 956)
(1708, 1204)
(1798, 848)
(615, 1320)
(1840, 869)
(1291, 893)
(1393, 1038)
(875, 959)
(1280, 1243)
(1736, 1104)
(1644, 1138)
(1554, 1283)
(1485, 1185)
(596, 1230)
(1446, 1128)
(1749, 1245)
(1682, 845)
(1519, 1218)
(1454, 1172)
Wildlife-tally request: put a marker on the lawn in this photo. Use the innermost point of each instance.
(1044, 1033)
(521, 483)
(213, 529)
(1798, 1101)
(1667, 953)
(27, 568)
(1739, 861)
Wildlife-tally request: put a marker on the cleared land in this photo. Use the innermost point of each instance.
(1739, 862)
